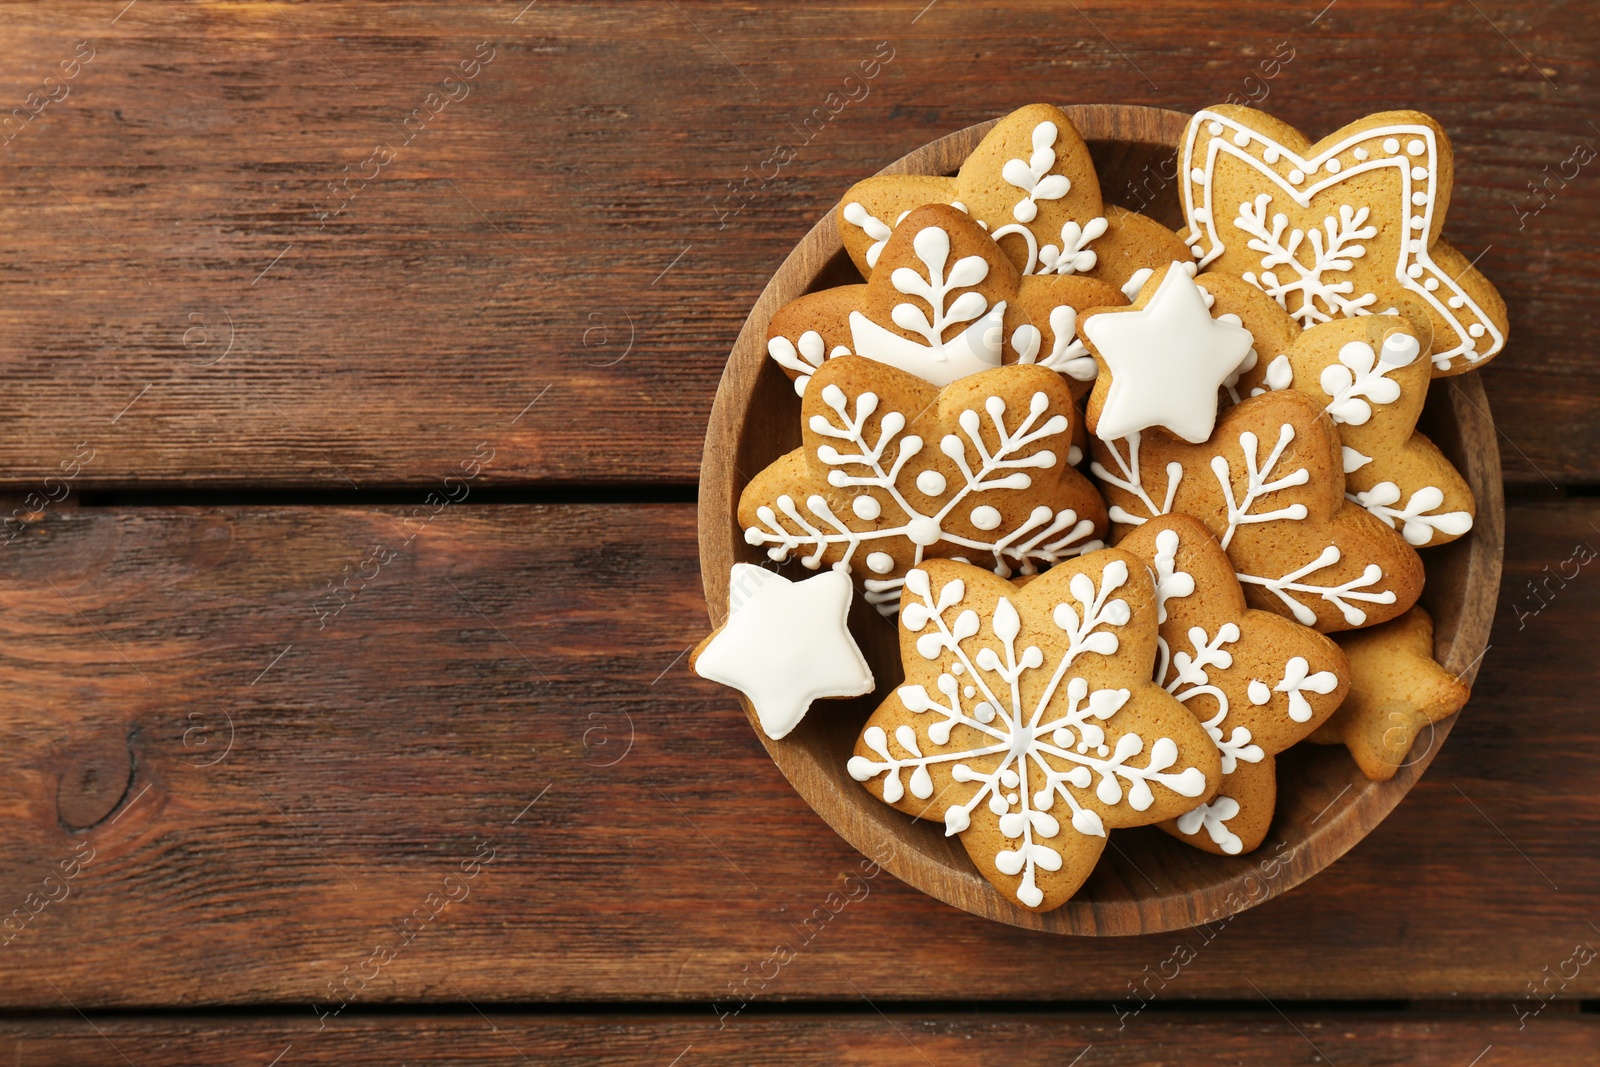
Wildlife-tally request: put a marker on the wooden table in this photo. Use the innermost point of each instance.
(356, 363)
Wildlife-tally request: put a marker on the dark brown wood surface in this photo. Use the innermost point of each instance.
(569, 223)
(234, 792)
(891, 1039)
(502, 660)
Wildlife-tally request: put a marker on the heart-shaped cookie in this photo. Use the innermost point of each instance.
(1269, 484)
(1344, 227)
(1031, 184)
(1371, 376)
(893, 471)
(1258, 682)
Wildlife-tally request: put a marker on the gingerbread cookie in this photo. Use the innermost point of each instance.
(1344, 227)
(784, 645)
(893, 471)
(1257, 682)
(1396, 690)
(1163, 360)
(1028, 722)
(1031, 184)
(1269, 484)
(946, 303)
(1371, 374)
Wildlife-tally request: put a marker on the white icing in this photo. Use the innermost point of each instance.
(1167, 361)
(975, 349)
(1340, 596)
(1033, 175)
(875, 228)
(1353, 460)
(803, 356)
(1419, 518)
(1190, 678)
(786, 644)
(1297, 680)
(1213, 818)
(1257, 483)
(1074, 256)
(1131, 480)
(1027, 542)
(1360, 379)
(1053, 747)
(1067, 354)
(1318, 297)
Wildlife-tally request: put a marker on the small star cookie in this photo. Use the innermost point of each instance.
(1028, 722)
(1396, 691)
(1345, 227)
(1162, 360)
(784, 645)
(1257, 682)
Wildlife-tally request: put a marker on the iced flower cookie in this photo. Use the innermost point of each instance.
(892, 471)
(1028, 722)
(946, 303)
(1345, 227)
(1269, 484)
(1031, 184)
(1396, 690)
(1257, 682)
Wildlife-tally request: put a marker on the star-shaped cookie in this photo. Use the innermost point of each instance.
(1344, 227)
(1397, 690)
(892, 471)
(1028, 722)
(1162, 361)
(784, 645)
(1031, 184)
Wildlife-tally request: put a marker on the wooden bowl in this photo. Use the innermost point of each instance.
(1146, 882)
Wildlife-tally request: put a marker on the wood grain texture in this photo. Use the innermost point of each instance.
(895, 1038)
(598, 214)
(645, 846)
(755, 421)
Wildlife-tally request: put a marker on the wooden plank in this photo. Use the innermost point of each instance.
(1299, 1036)
(490, 775)
(595, 216)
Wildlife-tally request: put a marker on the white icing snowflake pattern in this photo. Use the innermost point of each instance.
(1043, 537)
(1260, 483)
(1334, 247)
(1027, 759)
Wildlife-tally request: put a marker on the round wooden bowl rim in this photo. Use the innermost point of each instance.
(865, 822)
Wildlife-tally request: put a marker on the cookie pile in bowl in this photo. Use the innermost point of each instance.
(1096, 518)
